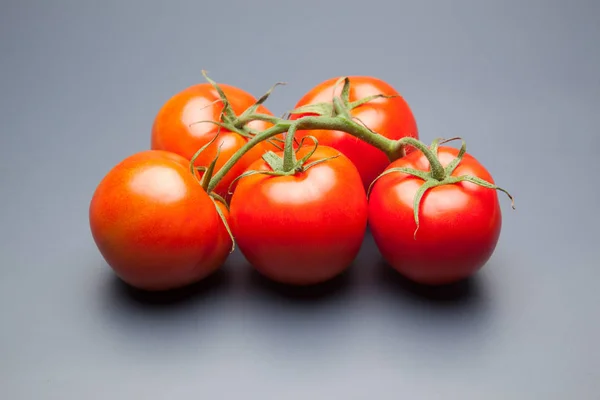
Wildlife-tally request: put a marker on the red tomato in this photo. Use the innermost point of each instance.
(459, 224)
(391, 117)
(176, 128)
(302, 229)
(154, 224)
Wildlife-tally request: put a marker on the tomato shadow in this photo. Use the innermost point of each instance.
(453, 320)
(467, 292)
(318, 293)
(138, 322)
(124, 293)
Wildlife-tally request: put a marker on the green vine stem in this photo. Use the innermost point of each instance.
(437, 171)
(393, 149)
(329, 116)
(289, 156)
(267, 134)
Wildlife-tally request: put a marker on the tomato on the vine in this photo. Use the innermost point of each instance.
(390, 117)
(155, 225)
(178, 127)
(304, 228)
(459, 222)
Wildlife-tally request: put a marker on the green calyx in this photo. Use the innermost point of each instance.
(339, 106)
(336, 115)
(437, 174)
(287, 165)
(239, 124)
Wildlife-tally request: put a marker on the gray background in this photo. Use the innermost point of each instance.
(80, 84)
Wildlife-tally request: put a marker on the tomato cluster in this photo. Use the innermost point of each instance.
(295, 194)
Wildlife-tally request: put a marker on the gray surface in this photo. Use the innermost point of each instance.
(80, 83)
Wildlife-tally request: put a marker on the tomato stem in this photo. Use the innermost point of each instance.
(289, 155)
(267, 134)
(333, 116)
(340, 108)
(393, 149)
(348, 125)
(437, 170)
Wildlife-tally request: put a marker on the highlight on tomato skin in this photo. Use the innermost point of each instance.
(390, 117)
(302, 229)
(186, 122)
(154, 224)
(459, 224)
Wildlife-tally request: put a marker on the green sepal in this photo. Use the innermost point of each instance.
(300, 163)
(428, 184)
(322, 109)
(410, 171)
(197, 153)
(317, 162)
(227, 125)
(367, 99)
(215, 197)
(435, 145)
(252, 109)
(210, 170)
(226, 107)
(273, 160)
(481, 182)
(454, 163)
(254, 172)
(345, 95)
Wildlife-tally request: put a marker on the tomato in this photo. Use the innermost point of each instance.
(390, 117)
(304, 228)
(177, 129)
(459, 224)
(154, 224)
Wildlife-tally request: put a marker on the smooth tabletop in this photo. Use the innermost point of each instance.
(80, 84)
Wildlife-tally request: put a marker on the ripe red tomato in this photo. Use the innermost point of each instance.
(176, 128)
(390, 117)
(459, 224)
(302, 229)
(154, 224)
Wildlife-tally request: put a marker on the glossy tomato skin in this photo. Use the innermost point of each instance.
(303, 229)
(391, 118)
(176, 128)
(154, 224)
(459, 224)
